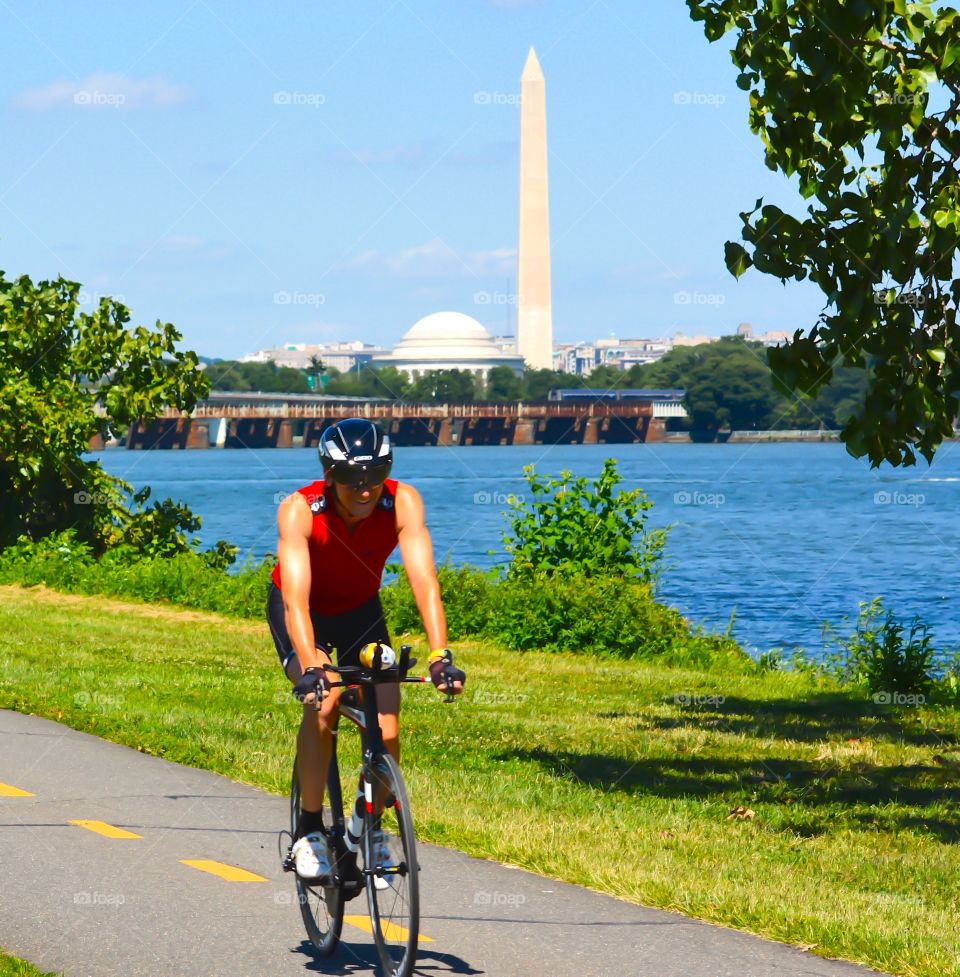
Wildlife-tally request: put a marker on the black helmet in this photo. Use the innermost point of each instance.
(355, 452)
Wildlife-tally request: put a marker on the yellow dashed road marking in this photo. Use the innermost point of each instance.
(228, 872)
(7, 791)
(107, 830)
(390, 930)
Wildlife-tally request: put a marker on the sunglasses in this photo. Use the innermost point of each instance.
(361, 476)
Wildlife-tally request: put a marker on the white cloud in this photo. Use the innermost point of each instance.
(436, 259)
(104, 90)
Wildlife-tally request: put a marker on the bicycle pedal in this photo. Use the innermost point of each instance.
(286, 858)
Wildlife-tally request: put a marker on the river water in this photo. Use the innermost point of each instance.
(783, 536)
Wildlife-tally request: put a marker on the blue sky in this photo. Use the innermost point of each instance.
(321, 172)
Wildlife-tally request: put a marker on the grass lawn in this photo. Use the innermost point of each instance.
(15, 967)
(614, 775)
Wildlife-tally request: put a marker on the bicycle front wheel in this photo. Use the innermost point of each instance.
(321, 908)
(393, 875)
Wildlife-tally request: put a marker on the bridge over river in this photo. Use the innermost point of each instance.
(258, 420)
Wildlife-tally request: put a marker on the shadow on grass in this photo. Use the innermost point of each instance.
(822, 793)
(827, 716)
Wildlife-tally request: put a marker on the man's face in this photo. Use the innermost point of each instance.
(358, 501)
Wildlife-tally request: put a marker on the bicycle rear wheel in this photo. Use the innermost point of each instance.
(321, 908)
(395, 904)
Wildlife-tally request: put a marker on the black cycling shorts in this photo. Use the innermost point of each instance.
(344, 633)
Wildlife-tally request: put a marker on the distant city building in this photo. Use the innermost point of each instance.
(679, 339)
(583, 358)
(448, 341)
(745, 331)
(339, 356)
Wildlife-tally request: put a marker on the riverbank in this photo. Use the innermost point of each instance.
(772, 803)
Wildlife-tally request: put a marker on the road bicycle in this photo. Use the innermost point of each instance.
(381, 805)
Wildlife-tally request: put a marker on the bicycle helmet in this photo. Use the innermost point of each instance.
(355, 452)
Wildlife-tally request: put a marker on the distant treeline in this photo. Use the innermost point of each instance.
(728, 385)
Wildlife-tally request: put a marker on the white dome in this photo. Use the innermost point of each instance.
(446, 325)
(445, 335)
(448, 341)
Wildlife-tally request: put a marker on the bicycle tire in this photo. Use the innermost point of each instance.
(320, 907)
(395, 909)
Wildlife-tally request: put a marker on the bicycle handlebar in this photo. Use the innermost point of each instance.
(395, 674)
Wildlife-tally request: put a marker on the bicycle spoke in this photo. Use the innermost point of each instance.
(393, 896)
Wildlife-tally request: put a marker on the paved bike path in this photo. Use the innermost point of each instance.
(91, 905)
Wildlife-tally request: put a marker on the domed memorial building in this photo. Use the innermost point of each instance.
(448, 341)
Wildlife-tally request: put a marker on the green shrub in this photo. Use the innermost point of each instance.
(604, 616)
(189, 579)
(468, 600)
(882, 654)
(584, 529)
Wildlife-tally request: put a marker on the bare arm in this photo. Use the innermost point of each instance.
(416, 550)
(294, 522)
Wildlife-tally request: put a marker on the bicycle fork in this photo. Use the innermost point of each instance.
(355, 826)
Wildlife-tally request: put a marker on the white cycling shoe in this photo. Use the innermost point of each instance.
(311, 856)
(381, 857)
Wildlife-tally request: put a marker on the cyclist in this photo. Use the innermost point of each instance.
(335, 536)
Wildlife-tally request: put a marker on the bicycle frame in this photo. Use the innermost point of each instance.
(367, 719)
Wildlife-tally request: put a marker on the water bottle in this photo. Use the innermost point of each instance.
(388, 656)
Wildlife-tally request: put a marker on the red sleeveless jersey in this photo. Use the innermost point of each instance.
(345, 568)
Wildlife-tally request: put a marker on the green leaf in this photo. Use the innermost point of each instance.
(736, 258)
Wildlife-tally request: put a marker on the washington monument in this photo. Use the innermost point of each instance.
(534, 313)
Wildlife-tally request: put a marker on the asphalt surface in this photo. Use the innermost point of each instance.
(90, 905)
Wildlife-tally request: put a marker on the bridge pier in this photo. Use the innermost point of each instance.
(165, 432)
(199, 435)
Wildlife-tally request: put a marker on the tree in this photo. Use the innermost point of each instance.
(504, 385)
(574, 526)
(317, 376)
(834, 84)
(264, 377)
(730, 388)
(605, 377)
(65, 376)
(444, 387)
(538, 383)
